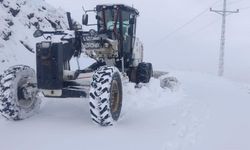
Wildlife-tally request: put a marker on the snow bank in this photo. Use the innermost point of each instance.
(150, 96)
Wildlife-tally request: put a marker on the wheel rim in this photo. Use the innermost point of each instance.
(26, 93)
(114, 97)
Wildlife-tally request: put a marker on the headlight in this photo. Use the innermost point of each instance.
(45, 44)
(43, 50)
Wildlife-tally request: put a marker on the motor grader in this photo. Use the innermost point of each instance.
(118, 55)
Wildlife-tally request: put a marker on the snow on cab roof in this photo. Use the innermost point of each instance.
(126, 7)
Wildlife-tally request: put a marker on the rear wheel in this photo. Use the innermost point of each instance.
(106, 96)
(144, 72)
(18, 93)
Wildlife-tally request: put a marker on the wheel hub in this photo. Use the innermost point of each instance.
(26, 95)
(115, 97)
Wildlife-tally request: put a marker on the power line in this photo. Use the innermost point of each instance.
(188, 22)
(203, 28)
(184, 25)
(234, 2)
(244, 8)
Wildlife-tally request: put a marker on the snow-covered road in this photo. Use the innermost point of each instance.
(206, 112)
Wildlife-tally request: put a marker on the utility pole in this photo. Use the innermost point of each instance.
(224, 14)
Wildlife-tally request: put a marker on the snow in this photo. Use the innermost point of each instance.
(206, 112)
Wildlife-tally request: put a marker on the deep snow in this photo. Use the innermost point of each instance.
(206, 112)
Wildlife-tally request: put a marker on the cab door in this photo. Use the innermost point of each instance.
(128, 35)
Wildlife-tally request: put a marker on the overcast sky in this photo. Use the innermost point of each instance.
(196, 46)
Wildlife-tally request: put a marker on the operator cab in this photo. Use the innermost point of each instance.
(119, 23)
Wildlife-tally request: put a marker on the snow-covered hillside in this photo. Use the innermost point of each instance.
(18, 21)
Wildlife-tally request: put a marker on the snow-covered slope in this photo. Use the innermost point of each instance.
(18, 21)
(207, 113)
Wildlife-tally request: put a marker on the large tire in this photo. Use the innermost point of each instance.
(106, 96)
(18, 93)
(144, 72)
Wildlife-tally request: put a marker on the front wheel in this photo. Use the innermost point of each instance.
(18, 93)
(105, 96)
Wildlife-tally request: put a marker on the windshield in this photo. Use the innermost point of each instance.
(125, 23)
(108, 19)
(111, 17)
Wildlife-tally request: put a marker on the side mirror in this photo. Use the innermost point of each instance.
(38, 33)
(132, 21)
(85, 19)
